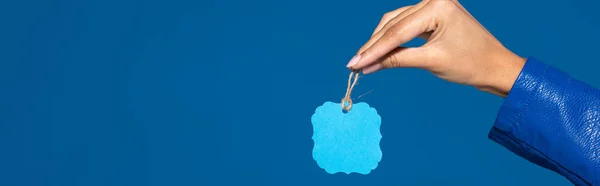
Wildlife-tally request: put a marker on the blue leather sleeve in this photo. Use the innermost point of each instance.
(552, 120)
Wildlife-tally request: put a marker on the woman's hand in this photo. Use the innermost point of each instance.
(458, 48)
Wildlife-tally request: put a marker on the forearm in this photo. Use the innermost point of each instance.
(552, 120)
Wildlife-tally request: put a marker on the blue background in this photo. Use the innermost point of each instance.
(221, 92)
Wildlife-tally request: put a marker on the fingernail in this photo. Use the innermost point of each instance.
(353, 61)
(372, 68)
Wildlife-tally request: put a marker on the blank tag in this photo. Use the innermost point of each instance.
(346, 142)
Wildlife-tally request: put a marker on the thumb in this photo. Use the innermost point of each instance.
(401, 57)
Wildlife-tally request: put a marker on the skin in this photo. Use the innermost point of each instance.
(458, 48)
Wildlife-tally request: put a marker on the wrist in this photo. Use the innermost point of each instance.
(503, 73)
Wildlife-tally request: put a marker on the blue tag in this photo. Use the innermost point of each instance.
(346, 142)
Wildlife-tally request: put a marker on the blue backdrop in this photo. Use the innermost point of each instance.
(221, 92)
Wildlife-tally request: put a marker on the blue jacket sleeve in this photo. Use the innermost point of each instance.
(552, 120)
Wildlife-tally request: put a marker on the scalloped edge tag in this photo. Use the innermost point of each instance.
(346, 142)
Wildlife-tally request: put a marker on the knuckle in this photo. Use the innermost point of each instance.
(394, 31)
(387, 16)
(391, 62)
(387, 26)
(390, 15)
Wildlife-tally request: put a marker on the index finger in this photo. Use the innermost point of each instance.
(402, 32)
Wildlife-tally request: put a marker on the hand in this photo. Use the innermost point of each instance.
(458, 48)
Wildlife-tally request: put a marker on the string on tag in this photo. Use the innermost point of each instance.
(353, 75)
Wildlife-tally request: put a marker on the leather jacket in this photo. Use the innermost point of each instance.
(552, 120)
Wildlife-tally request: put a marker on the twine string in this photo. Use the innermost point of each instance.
(351, 82)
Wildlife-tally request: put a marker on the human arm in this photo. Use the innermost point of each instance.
(552, 120)
(547, 118)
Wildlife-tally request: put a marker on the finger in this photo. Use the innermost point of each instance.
(400, 57)
(377, 36)
(402, 15)
(372, 68)
(402, 32)
(390, 23)
(389, 16)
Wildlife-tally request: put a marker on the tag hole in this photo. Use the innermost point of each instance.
(346, 104)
